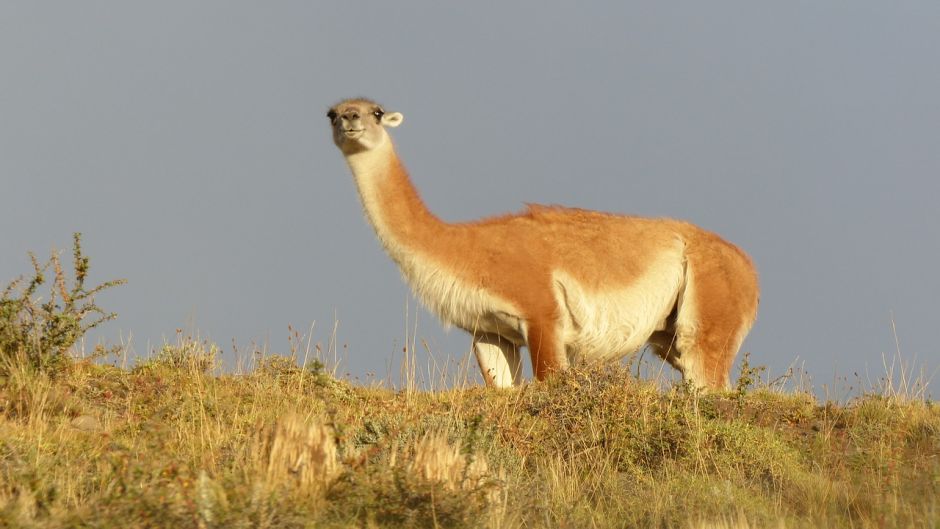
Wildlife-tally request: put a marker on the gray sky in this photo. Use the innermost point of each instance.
(187, 140)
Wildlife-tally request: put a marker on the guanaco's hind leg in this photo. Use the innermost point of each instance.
(707, 353)
(715, 311)
(499, 360)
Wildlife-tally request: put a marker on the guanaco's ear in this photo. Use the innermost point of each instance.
(392, 119)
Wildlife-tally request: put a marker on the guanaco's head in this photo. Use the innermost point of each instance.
(359, 125)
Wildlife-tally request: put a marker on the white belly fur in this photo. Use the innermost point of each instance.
(611, 324)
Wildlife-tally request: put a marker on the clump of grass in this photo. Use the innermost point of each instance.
(429, 482)
(299, 453)
(190, 355)
(435, 460)
(41, 332)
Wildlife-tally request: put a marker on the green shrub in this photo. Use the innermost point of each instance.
(41, 332)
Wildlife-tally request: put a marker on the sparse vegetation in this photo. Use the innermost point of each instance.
(175, 443)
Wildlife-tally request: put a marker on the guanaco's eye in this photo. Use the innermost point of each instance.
(378, 113)
(332, 115)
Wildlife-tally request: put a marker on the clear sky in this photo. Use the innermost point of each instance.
(188, 142)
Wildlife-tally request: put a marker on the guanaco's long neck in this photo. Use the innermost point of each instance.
(401, 220)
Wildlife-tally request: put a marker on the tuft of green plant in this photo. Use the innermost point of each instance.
(280, 366)
(748, 377)
(41, 332)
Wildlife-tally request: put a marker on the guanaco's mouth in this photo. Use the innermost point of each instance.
(353, 133)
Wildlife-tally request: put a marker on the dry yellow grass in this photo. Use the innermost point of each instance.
(169, 443)
(294, 449)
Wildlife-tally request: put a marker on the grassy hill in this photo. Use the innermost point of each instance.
(169, 444)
